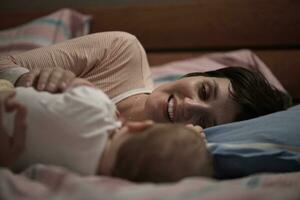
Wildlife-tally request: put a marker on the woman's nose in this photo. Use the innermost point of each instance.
(192, 106)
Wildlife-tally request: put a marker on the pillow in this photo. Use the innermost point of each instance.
(270, 143)
(56, 27)
(243, 58)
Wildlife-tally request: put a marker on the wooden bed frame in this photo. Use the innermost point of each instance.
(271, 28)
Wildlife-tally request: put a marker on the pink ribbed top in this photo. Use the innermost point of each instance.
(114, 61)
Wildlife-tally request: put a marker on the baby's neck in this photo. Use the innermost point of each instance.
(108, 158)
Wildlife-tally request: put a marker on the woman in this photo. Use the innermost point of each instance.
(116, 63)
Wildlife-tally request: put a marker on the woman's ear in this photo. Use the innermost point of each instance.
(135, 127)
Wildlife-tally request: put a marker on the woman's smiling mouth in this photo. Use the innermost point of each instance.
(171, 108)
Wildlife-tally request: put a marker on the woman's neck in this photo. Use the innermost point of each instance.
(133, 107)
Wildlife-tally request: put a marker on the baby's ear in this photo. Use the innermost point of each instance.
(135, 127)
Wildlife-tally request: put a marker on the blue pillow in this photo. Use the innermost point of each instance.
(270, 143)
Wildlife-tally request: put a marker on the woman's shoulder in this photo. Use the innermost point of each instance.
(124, 68)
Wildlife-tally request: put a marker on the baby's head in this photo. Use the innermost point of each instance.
(158, 153)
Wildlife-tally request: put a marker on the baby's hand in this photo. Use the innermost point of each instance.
(197, 129)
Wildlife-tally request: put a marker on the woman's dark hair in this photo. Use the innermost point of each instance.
(251, 91)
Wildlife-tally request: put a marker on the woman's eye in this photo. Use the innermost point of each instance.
(203, 92)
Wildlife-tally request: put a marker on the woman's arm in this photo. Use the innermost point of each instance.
(105, 59)
(80, 55)
(50, 67)
(11, 146)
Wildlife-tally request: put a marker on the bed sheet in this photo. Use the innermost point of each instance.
(49, 182)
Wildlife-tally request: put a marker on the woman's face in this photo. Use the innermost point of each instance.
(198, 100)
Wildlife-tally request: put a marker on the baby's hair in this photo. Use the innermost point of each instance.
(163, 153)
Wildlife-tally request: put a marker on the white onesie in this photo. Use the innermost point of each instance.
(68, 129)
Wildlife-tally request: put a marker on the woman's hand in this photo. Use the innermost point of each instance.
(51, 80)
(12, 146)
(79, 82)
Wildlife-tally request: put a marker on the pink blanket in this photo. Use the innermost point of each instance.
(49, 182)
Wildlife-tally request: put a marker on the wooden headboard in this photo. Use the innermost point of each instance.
(172, 31)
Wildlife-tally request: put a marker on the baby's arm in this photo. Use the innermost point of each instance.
(11, 146)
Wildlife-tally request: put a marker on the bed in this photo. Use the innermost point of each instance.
(172, 34)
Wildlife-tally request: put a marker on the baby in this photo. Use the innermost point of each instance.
(78, 130)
